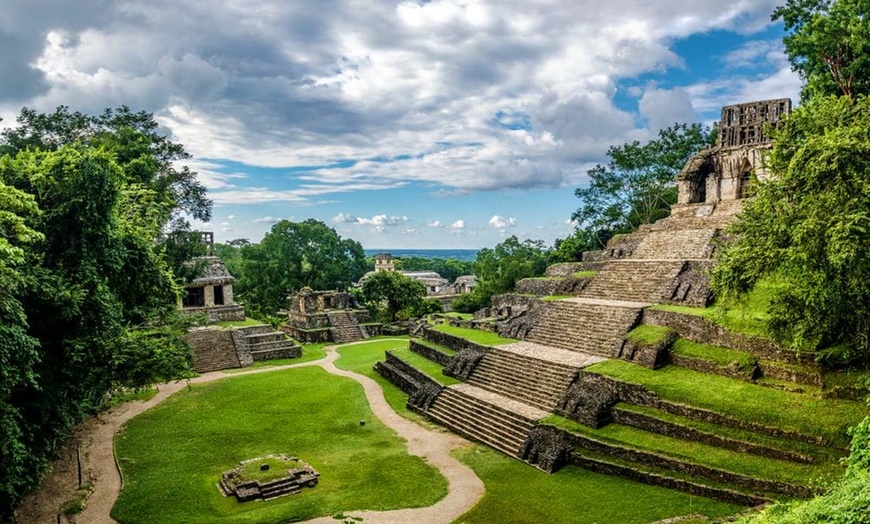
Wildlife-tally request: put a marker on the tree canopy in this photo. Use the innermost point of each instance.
(498, 270)
(390, 293)
(87, 298)
(293, 255)
(808, 227)
(639, 183)
(828, 45)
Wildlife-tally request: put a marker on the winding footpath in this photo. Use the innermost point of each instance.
(465, 489)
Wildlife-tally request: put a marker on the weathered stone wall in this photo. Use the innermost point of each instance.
(652, 356)
(722, 494)
(308, 336)
(566, 269)
(241, 346)
(213, 349)
(699, 329)
(433, 354)
(663, 427)
(696, 470)
(692, 287)
(538, 286)
(422, 389)
(451, 341)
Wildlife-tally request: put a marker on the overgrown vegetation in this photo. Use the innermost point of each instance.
(89, 284)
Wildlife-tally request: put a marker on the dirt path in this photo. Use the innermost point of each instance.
(97, 445)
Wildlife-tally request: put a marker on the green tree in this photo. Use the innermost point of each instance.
(808, 227)
(390, 293)
(571, 248)
(828, 44)
(446, 267)
(638, 185)
(294, 255)
(498, 270)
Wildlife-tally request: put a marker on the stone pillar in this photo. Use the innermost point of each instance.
(228, 295)
(208, 291)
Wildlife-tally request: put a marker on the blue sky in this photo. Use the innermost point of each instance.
(402, 124)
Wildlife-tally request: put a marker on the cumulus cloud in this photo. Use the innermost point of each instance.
(502, 223)
(383, 220)
(435, 223)
(344, 218)
(267, 220)
(458, 225)
(463, 96)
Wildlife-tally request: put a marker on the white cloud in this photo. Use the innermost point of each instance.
(344, 218)
(383, 220)
(665, 107)
(458, 225)
(278, 84)
(502, 223)
(267, 220)
(435, 223)
(230, 217)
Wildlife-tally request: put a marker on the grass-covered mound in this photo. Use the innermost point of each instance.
(484, 338)
(172, 456)
(516, 492)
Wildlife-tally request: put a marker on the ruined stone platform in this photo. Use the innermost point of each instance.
(551, 354)
(500, 401)
(606, 302)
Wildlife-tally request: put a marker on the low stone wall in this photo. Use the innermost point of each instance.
(275, 354)
(462, 365)
(308, 336)
(242, 350)
(700, 329)
(705, 366)
(433, 354)
(725, 495)
(540, 287)
(692, 287)
(451, 341)
(660, 461)
(663, 427)
(422, 389)
(217, 314)
(652, 356)
(589, 400)
(566, 269)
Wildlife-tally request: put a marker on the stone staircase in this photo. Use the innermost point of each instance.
(530, 380)
(262, 342)
(682, 244)
(576, 325)
(344, 327)
(214, 358)
(649, 281)
(486, 417)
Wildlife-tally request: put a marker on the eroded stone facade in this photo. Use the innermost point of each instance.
(725, 172)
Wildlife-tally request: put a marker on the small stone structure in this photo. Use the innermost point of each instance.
(212, 292)
(328, 316)
(215, 348)
(724, 172)
(298, 475)
(436, 285)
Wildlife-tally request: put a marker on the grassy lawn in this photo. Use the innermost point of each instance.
(648, 335)
(553, 298)
(172, 456)
(462, 316)
(584, 274)
(361, 358)
(717, 355)
(749, 316)
(517, 493)
(433, 369)
(484, 338)
(772, 407)
(309, 352)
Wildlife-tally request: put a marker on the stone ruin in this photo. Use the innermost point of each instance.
(211, 292)
(328, 316)
(724, 172)
(297, 475)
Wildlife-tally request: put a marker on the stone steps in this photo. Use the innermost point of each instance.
(490, 422)
(533, 381)
(676, 461)
(676, 244)
(635, 280)
(344, 327)
(214, 360)
(588, 328)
